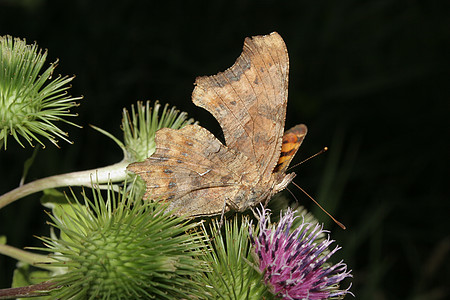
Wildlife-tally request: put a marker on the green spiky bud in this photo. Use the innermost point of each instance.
(29, 103)
(139, 129)
(233, 274)
(119, 249)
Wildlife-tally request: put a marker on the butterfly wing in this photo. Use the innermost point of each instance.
(194, 171)
(292, 140)
(249, 100)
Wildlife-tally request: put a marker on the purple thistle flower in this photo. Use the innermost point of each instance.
(295, 264)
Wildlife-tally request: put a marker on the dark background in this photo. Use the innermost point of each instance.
(369, 78)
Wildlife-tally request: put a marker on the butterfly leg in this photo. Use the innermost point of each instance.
(223, 212)
(231, 205)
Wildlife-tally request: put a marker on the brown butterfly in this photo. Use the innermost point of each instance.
(195, 172)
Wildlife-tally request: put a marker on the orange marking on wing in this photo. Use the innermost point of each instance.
(292, 139)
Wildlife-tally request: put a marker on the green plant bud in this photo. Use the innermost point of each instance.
(30, 103)
(121, 249)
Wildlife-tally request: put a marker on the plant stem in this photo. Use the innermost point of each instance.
(40, 289)
(113, 173)
(27, 257)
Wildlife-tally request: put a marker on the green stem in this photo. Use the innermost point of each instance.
(113, 173)
(31, 258)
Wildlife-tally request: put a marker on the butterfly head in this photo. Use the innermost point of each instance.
(282, 182)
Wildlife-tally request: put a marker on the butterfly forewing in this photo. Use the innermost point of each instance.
(292, 140)
(249, 100)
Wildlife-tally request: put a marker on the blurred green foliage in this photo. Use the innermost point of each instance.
(369, 78)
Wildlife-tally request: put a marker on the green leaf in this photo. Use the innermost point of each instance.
(24, 276)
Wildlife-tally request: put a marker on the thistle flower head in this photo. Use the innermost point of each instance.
(121, 249)
(29, 103)
(294, 263)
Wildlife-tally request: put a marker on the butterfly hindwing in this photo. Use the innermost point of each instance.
(188, 163)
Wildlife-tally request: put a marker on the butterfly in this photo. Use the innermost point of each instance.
(199, 175)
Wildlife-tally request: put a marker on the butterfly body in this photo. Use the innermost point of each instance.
(199, 175)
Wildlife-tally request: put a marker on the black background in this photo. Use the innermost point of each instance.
(369, 78)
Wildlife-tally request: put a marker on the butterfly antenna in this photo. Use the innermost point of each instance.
(325, 149)
(336, 221)
(292, 194)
